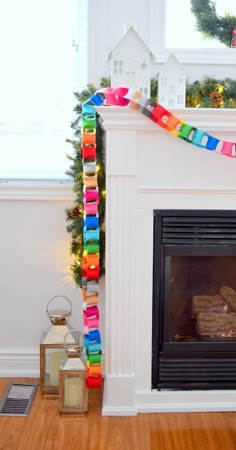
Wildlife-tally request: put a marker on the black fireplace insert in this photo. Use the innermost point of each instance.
(194, 300)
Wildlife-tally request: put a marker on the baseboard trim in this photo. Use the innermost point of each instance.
(185, 401)
(22, 363)
(119, 411)
(19, 363)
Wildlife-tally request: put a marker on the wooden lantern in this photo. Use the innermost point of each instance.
(52, 350)
(73, 393)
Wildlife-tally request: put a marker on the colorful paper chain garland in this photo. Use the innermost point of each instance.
(91, 232)
(91, 235)
(123, 96)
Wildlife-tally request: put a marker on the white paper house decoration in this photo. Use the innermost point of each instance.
(172, 84)
(130, 63)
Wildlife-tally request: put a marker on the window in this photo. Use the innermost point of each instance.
(164, 81)
(118, 67)
(172, 89)
(43, 61)
(176, 32)
(131, 79)
(180, 99)
(190, 37)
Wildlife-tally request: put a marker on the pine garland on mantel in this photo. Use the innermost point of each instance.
(210, 23)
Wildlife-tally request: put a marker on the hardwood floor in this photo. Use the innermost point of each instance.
(46, 429)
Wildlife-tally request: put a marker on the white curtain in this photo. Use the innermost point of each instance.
(43, 61)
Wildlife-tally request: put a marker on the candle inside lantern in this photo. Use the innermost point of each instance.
(73, 391)
(55, 360)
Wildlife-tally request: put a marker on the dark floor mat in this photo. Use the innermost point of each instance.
(18, 399)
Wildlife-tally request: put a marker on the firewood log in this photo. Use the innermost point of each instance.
(208, 303)
(229, 295)
(216, 324)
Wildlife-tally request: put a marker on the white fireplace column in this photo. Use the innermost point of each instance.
(119, 387)
(147, 169)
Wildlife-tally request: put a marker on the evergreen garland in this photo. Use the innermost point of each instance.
(211, 93)
(74, 215)
(210, 23)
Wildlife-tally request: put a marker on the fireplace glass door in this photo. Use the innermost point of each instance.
(200, 299)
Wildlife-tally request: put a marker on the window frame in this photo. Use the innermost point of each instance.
(26, 189)
(221, 56)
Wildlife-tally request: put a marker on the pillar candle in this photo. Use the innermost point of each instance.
(55, 360)
(73, 391)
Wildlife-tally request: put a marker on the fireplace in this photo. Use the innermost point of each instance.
(147, 170)
(194, 300)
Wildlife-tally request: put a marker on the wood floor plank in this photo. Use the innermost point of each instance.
(46, 429)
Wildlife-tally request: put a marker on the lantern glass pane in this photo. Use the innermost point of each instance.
(74, 391)
(53, 359)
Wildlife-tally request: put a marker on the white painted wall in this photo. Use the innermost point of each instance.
(34, 266)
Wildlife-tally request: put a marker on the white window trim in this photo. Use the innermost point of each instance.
(36, 190)
(187, 56)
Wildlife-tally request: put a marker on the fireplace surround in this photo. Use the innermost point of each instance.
(194, 300)
(147, 169)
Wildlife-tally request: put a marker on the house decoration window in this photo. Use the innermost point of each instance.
(172, 89)
(144, 91)
(131, 78)
(180, 99)
(118, 67)
(164, 81)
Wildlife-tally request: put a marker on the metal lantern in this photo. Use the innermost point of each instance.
(52, 351)
(73, 394)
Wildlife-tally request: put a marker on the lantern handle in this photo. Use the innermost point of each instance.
(59, 296)
(74, 348)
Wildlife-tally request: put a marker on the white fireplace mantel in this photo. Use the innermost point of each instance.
(147, 169)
